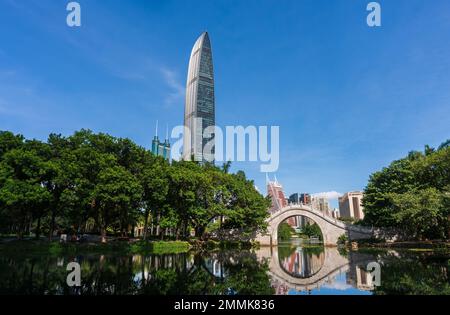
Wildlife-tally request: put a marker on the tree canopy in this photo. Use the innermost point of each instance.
(91, 182)
(412, 194)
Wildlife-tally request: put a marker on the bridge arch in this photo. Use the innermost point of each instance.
(331, 228)
(334, 264)
(301, 262)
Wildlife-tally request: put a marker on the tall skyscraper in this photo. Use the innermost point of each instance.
(161, 148)
(275, 191)
(321, 204)
(303, 198)
(199, 112)
(350, 205)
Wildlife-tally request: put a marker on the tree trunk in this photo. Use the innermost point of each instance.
(157, 226)
(52, 226)
(21, 229)
(27, 228)
(144, 236)
(38, 228)
(199, 231)
(103, 232)
(186, 234)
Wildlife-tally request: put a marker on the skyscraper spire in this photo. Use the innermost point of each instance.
(160, 148)
(155, 142)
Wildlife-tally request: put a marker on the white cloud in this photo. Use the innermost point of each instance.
(330, 195)
(337, 286)
(177, 88)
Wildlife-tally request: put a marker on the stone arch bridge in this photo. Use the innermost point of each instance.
(331, 228)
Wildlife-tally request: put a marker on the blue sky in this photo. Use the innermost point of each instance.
(349, 99)
(337, 286)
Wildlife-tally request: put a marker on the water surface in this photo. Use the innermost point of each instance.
(287, 269)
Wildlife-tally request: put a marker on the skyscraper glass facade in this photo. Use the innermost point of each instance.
(200, 103)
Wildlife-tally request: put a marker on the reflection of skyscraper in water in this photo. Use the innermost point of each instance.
(357, 275)
(302, 263)
(360, 278)
(280, 287)
(215, 267)
(364, 279)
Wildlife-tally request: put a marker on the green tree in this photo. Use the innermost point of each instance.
(411, 193)
(312, 230)
(23, 196)
(421, 214)
(285, 231)
(9, 141)
(247, 208)
(155, 184)
(116, 196)
(99, 183)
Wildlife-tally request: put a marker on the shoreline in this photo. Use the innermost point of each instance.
(406, 244)
(158, 247)
(131, 246)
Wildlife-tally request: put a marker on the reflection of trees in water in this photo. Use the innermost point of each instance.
(243, 273)
(401, 273)
(414, 273)
(125, 275)
(302, 262)
(29, 276)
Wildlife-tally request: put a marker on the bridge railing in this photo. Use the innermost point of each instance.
(317, 212)
(322, 213)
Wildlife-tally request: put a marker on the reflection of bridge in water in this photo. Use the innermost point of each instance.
(334, 264)
(299, 268)
(301, 262)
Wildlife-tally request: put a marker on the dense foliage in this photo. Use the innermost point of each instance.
(285, 231)
(412, 194)
(98, 183)
(312, 230)
(414, 274)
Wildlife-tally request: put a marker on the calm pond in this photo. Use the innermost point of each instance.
(286, 269)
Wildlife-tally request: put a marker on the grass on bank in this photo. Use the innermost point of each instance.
(56, 248)
(43, 247)
(160, 247)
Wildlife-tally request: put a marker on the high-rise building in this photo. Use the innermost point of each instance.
(294, 198)
(300, 198)
(199, 112)
(161, 148)
(321, 204)
(275, 191)
(305, 199)
(350, 205)
(335, 213)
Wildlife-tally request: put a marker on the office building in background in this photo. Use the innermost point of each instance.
(350, 205)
